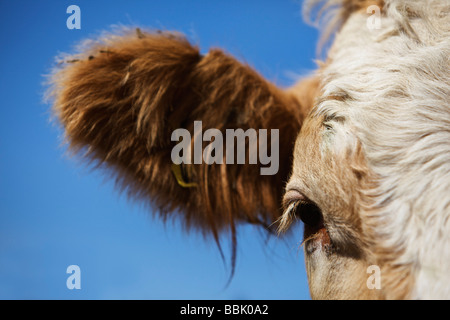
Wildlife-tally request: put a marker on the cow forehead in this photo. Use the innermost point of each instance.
(389, 85)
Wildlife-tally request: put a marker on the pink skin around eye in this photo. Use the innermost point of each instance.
(293, 195)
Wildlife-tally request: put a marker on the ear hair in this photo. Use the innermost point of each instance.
(122, 97)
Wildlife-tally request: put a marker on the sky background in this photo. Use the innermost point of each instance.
(55, 211)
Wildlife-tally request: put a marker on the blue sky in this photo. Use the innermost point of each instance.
(55, 211)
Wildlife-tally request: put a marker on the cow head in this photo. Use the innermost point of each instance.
(363, 144)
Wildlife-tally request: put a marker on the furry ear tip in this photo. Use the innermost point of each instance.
(124, 41)
(129, 91)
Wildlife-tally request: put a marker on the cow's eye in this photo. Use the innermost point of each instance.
(309, 213)
(297, 205)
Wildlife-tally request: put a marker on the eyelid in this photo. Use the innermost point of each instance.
(328, 126)
(292, 196)
(291, 200)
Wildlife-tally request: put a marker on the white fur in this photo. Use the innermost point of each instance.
(397, 80)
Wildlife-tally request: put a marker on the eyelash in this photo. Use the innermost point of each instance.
(291, 206)
(307, 211)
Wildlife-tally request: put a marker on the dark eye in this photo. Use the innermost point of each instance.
(297, 205)
(309, 213)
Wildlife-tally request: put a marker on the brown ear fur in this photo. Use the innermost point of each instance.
(122, 97)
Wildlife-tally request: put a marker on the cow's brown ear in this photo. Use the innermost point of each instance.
(121, 99)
